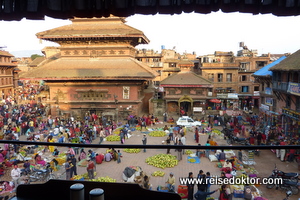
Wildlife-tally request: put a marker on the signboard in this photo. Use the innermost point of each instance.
(233, 96)
(256, 93)
(268, 90)
(264, 107)
(294, 88)
(221, 96)
(234, 112)
(197, 109)
(269, 101)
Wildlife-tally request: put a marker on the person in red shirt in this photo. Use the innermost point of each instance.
(252, 140)
(263, 139)
(99, 158)
(91, 168)
(291, 155)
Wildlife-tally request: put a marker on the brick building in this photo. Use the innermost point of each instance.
(95, 70)
(8, 76)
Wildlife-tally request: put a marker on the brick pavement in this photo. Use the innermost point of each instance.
(114, 170)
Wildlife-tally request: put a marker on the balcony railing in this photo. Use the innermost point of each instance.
(280, 86)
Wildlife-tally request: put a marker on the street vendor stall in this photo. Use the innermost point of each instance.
(130, 173)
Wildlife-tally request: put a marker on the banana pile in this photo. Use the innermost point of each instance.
(216, 131)
(112, 138)
(140, 128)
(117, 131)
(162, 161)
(238, 182)
(158, 173)
(188, 152)
(192, 160)
(104, 179)
(157, 134)
(61, 160)
(86, 175)
(77, 177)
(132, 150)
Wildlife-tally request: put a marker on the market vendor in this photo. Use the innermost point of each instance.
(38, 160)
(171, 182)
(227, 167)
(99, 158)
(221, 156)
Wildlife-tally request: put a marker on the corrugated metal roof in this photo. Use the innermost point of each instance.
(265, 70)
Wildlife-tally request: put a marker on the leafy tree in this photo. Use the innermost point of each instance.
(34, 56)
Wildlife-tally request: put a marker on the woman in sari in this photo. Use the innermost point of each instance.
(50, 139)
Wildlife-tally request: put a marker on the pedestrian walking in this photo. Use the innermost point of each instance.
(73, 166)
(101, 135)
(165, 116)
(15, 175)
(68, 166)
(207, 151)
(168, 142)
(190, 186)
(144, 140)
(119, 156)
(179, 150)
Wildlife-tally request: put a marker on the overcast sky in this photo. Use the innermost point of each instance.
(189, 33)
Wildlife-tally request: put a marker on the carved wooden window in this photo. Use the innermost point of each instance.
(126, 92)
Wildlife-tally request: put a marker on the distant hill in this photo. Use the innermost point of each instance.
(25, 53)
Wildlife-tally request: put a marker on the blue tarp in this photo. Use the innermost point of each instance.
(265, 70)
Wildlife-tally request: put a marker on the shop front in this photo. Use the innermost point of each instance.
(290, 122)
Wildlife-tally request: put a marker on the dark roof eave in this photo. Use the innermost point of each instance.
(87, 78)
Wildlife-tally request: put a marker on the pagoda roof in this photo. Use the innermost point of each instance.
(37, 61)
(91, 69)
(185, 79)
(291, 63)
(5, 53)
(94, 28)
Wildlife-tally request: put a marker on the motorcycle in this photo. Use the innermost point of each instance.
(286, 185)
(288, 194)
(257, 152)
(42, 174)
(292, 176)
(233, 139)
(227, 132)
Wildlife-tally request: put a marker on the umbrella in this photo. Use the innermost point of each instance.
(215, 101)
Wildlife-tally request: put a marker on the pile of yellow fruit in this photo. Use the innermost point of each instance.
(188, 152)
(158, 173)
(157, 134)
(216, 131)
(104, 179)
(192, 160)
(140, 128)
(132, 150)
(117, 131)
(77, 177)
(86, 175)
(112, 138)
(162, 160)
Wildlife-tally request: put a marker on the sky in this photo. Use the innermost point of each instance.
(200, 33)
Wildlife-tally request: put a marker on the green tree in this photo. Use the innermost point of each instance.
(34, 56)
